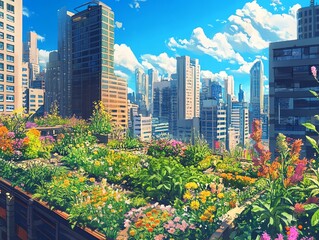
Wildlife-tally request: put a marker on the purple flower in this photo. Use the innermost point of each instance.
(30, 125)
(265, 236)
(293, 234)
(48, 139)
(18, 144)
(314, 72)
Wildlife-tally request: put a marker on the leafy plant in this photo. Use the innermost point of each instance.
(100, 121)
(196, 153)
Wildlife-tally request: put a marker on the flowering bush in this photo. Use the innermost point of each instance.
(100, 207)
(193, 154)
(157, 222)
(292, 233)
(237, 181)
(166, 148)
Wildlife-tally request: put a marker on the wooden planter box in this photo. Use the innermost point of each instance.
(22, 217)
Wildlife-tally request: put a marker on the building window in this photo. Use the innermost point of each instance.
(10, 68)
(10, 98)
(1, 15)
(1, 35)
(1, 108)
(1, 77)
(32, 100)
(10, 58)
(1, 56)
(10, 8)
(10, 79)
(10, 37)
(40, 101)
(1, 98)
(1, 4)
(10, 28)
(10, 108)
(10, 88)
(1, 25)
(32, 96)
(40, 96)
(10, 18)
(10, 48)
(1, 88)
(1, 66)
(1, 45)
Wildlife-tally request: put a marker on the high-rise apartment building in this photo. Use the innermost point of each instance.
(142, 91)
(308, 21)
(142, 127)
(162, 100)
(216, 91)
(10, 55)
(290, 80)
(256, 91)
(86, 52)
(188, 87)
(152, 79)
(240, 121)
(241, 94)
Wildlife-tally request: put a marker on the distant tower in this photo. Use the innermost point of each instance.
(256, 91)
(241, 94)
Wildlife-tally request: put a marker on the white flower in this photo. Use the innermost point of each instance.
(110, 206)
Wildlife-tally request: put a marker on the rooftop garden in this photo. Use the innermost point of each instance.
(165, 189)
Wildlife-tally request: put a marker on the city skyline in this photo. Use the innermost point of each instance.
(149, 34)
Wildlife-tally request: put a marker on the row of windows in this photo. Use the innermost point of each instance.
(10, 78)
(9, 58)
(9, 108)
(307, 12)
(9, 98)
(10, 8)
(297, 53)
(9, 27)
(8, 88)
(9, 17)
(34, 96)
(10, 47)
(10, 68)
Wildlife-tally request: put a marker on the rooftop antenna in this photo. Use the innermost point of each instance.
(312, 3)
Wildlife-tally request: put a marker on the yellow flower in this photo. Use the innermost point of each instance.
(132, 232)
(211, 208)
(187, 195)
(204, 193)
(92, 179)
(66, 183)
(220, 195)
(194, 205)
(97, 163)
(81, 179)
(203, 218)
(191, 185)
(90, 218)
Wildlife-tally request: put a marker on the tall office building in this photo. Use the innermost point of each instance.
(174, 106)
(213, 122)
(188, 107)
(241, 94)
(142, 91)
(152, 79)
(10, 56)
(256, 91)
(229, 85)
(240, 121)
(65, 58)
(162, 101)
(290, 80)
(93, 77)
(31, 55)
(308, 21)
(53, 83)
(216, 90)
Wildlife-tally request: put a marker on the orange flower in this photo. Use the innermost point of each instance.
(300, 227)
(150, 229)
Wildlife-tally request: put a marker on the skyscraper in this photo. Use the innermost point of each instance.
(216, 90)
(256, 91)
(65, 59)
(31, 55)
(53, 83)
(290, 80)
(93, 77)
(11, 56)
(152, 78)
(241, 94)
(308, 19)
(240, 120)
(188, 82)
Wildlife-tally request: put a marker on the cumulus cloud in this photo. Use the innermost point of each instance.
(124, 57)
(40, 38)
(118, 24)
(220, 76)
(163, 63)
(44, 57)
(121, 74)
(26, 12)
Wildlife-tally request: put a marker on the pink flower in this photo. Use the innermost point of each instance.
(265, 236)
(177, 219)
(171, 223)
(159, 237)
(293, 235)
(314, 72)
(279, 237)
(127, 223)
(192, 226)
(171, 230)
(298, 175)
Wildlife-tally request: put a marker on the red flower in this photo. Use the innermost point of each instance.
(299, 208)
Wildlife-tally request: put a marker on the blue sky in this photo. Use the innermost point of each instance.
(226, 36)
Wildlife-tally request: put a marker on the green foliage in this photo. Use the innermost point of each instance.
(195, 153)
(100, 121)
(127, 143)
(52, 118)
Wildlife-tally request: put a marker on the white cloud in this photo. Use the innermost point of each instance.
(26, 12)
(124, 57)
(220, 76)
(44, 57)
(118, 24)
(40, 38)
(129, 90)
(163, 63)
(121, 74)
(136, 4)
